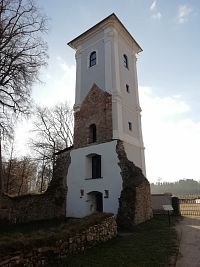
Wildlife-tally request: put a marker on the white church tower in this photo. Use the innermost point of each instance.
(106, 111)
(106, 56)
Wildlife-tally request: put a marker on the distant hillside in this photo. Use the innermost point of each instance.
(179, 188)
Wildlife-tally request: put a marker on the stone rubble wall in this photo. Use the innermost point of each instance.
(143, 208)
(135, 199)
(45, 256)
(47, 205)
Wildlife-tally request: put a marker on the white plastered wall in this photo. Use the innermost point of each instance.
(111, 180)
(110, 75)
(135, 154)
(86, 76)
(126, 106)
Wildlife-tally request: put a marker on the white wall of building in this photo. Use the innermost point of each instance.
(135, 154)
(129, 105)
(129, 101)
(110, 75)
(77, 180)
(86, 76)
(110, 40)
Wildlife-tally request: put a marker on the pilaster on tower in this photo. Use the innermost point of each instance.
(106, 57)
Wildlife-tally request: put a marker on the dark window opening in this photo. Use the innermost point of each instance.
(106, 194)
(125, 61)
(93, 59)
(92, 133)
(130, 126)
(96, 166)
(82, 193)
(127, 88)
(99, 202)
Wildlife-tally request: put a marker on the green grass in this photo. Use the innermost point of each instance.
(148, 245)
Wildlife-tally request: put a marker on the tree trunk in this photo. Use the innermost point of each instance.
(9, 169)
(1, 171)
(22, 179)
(42, 178)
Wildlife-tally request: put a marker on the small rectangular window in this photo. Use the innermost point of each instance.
(96, 166)
(93, 57)
(125, 61)
(127, 88)
(130, 126)
(106, 195)
(81, 193)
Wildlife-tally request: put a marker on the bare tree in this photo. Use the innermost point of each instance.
(44, 175)
(53, 129)
(6, 136)
(9, 167)
(19, 174)
(1, 170)
(22, 54)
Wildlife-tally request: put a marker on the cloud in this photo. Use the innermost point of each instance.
(153, 5)
(51, 92)
(171, 137)
(183, 13)
(22, 135)
(57, 90)
(155, 14)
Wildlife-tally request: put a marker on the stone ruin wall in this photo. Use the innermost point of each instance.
(143, 208)
(47, 205)
(135, 199)
(47, 256)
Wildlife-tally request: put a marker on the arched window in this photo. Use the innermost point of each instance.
(93, 133)
(125, 61)
(93, 58)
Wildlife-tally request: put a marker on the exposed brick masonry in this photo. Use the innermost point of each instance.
(95, 109)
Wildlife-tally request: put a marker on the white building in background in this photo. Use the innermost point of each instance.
(106, 110)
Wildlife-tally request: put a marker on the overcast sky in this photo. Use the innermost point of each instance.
(168, 73)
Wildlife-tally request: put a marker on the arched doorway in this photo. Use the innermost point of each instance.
(96, 201)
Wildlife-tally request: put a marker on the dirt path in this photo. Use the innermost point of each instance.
(189, 254)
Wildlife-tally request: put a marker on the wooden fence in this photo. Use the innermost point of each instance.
(189, 207)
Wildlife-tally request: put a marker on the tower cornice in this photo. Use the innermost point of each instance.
(110, 21)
